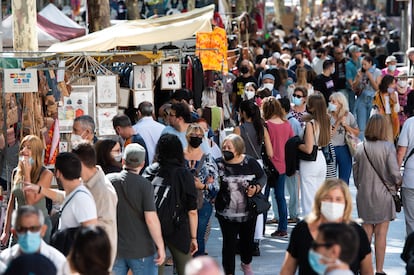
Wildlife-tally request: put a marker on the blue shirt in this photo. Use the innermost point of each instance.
(181, 135)
(351, 70)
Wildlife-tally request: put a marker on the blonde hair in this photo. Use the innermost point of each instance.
(37, 147)
(324, 189)
(341, 99)
(192, 129)
(301, 77)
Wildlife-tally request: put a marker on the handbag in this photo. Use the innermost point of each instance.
(352, 142)
(395, 197)
(312, 156)
(257, 204)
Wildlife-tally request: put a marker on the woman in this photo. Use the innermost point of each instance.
(386, 103)
(91, 252)
(376, 165)
(108, 155)
(299, 98)
(366, 82)
(241, 177)
(342, 121)
(204, 170)
(249, 91)
(255, 136)
(30, 169)
(279, 131)
(333, 203)
(302, 80)
(171, 167)
(317, 133)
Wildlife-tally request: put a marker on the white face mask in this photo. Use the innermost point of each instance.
(117, 157)
(402, 83)
(249, 94)
(332, 107)
(268, 86)
(332, 211)
(75, 139)
(206, 134)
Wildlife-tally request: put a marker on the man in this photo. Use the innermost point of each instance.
(351, 68)
(140, 243)
(391, 66)
(318, 60)
(410, 56)
(149, 129)
(203, 265)
(334, 249)
(299, 62)
(79, 207)
(324, 82)
(405, 153)
(268, 82)
(123, 128)
(83, 129)
(102, 191)
(179, 119)
(29, 227)
(184, 96)
(339, 76)
(239, 83)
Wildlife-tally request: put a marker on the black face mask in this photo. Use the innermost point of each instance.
(227, 155)
(244, 70)
(195, 142)
(297, 61)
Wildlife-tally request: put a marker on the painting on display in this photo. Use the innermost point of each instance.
(140, 96)
(104, 117)
(170, 76)
(80, 102)
(106, 88)
(142, 77)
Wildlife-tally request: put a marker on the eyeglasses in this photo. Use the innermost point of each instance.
(22, 229)
(315, 245)
(297, 96)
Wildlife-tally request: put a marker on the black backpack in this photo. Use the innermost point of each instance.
(168, 206)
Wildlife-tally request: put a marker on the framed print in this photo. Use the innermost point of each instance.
(20, 81)
(142, 77)
(124, 94)
(106, 88)
(170, 76)
(140, 96)
(104, 117)
(80, 102)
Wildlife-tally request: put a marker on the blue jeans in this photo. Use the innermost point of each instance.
(363, 110)
(344, 162)
(281, 202)
(292, 188)
(140, 266)
(204, 215)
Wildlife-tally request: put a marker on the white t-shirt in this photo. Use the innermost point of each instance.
(406, 139)
(80, 208)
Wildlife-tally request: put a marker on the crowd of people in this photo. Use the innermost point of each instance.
(321, 103)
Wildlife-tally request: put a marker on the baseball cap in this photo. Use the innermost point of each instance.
(409, 51)
(390, 58)
(354, 49)
(269, 76)
(134, 155)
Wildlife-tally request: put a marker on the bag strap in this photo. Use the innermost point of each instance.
(67, 202)
(251, 143)
(376, 171)
(409, 155)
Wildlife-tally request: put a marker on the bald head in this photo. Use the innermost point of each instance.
(203, 265)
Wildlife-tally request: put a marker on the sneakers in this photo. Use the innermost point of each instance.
(256, 250)
(282, 234)
(293, 220)
(247, 269)
(272, 221)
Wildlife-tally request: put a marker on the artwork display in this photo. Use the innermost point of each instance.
(142, 77)
(170, 76)
(106, 87)
(140, 96)
(104, 118)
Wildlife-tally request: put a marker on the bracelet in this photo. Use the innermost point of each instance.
(40, 189)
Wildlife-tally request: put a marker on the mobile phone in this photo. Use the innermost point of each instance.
(363, 69)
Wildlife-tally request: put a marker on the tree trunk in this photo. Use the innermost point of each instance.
(133, 9)
(98, 15)
(240, 7)
(312, 7)
(190, 5)
(24, 25)
(279, 10)
(303, 12)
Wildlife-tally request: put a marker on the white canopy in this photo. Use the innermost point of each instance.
(55, 15)
(142, 32)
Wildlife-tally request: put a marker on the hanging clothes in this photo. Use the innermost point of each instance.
(216, 58)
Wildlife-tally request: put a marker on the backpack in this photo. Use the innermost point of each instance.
(168, 205)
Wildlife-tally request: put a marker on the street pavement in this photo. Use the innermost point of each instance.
(273, 249)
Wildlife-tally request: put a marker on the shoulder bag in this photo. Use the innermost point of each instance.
(395, 197)
(312, 156)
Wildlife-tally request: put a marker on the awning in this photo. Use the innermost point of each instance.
(141, 32)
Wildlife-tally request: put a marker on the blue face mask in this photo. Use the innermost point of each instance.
(296, 101)
(29, 242)
(314, 259)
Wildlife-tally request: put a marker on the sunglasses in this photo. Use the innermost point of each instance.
(297, 96)
(33, 229)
